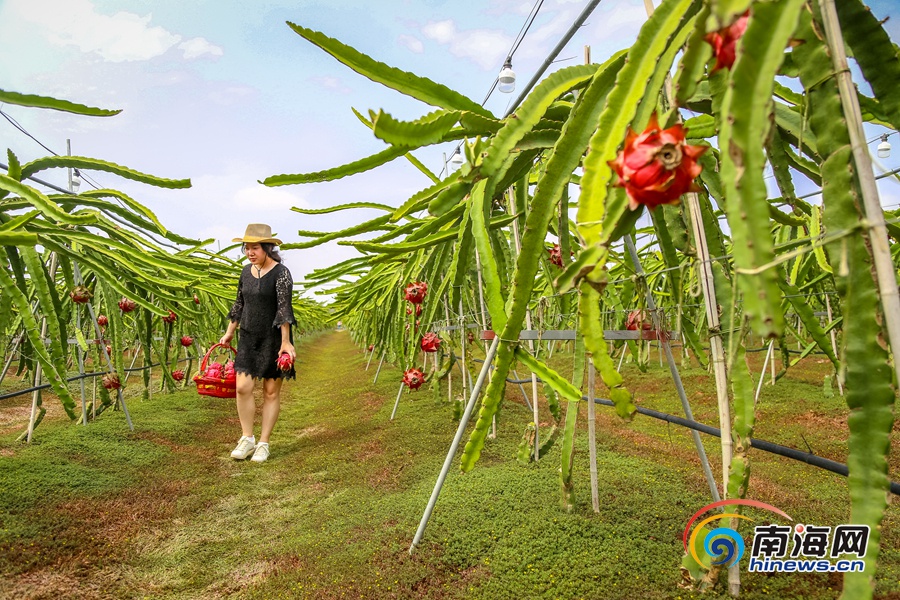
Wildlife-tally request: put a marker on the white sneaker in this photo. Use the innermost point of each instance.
(262, 452)
(244, 448)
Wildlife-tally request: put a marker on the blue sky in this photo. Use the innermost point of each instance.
(226, 94)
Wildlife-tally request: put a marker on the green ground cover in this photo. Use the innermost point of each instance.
(163, 512)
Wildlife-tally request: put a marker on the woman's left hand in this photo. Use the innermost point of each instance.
(289, 348)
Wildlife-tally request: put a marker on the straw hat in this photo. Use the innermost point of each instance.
(258, 233)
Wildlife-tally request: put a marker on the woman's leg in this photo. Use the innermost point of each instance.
(271, 407)
(246, 407)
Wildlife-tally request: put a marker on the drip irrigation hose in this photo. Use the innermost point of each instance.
(770, 447)
(84, 376)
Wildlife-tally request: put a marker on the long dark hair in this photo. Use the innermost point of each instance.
(268, 248)
(271, 251)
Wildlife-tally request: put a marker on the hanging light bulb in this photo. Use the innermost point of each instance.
(76, 181)
(456, 160)
(884, 148)
(506, 81)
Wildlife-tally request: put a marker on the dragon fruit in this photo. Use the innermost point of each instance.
(126, 305)
(285, 362)
(638, 319)
(102, 320)
(178, 375)
(187, 341)
(431, 342)
(214, 370)
(413, 378)
(170, 318)
(409, 311)
(415, 292)
(111, 381)
(80, 295)
(196, 299)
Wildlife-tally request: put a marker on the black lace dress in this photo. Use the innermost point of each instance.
(263, 305)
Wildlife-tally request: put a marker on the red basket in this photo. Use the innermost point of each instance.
(218, 387)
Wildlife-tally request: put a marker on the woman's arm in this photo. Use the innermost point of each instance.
(234, 315)
(284, 314)
(286, 345)
(229, 333)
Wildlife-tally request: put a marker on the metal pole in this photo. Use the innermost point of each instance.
(105, 354)
(134, 360)
(762, 374)
(874, 214)
(592, 438)
(463, 368)
(378, 370)
(535, 410)
(397, 401)
(834, 346)
(371, 354)
(79, 354)
(673, 369)
(12, 354)
(522, 389)
(585, 13)
(450, 370)
(464, 420)
(38, 369)
(772, 366)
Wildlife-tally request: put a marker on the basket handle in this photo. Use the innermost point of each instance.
(209, 352)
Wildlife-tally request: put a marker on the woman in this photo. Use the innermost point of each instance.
(264, 313)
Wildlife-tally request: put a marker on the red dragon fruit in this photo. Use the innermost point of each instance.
(111, 381)
(285, 362)
(80, 295)
(102, 320)
(415, 292)
(409, 311)
(214, 370)
(638, 319)
(431, 342)
(126, 305)
(178, 375)
(196, 299)
(170, 318)
(187, 341)
(413, 378)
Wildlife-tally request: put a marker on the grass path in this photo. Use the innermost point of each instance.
(163, 512)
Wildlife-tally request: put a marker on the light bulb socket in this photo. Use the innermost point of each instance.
(456, 160)
(506, 80)
(884, 149)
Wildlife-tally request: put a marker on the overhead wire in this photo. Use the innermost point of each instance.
(18, 126)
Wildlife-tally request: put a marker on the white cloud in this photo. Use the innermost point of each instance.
(259, 199)
(485, 47)
(198, 46)
(121, 37)
(440, 31)
(413, 43)
(331, 83)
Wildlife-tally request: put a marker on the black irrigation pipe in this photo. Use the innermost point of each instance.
(770, 447)
(45, 386)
